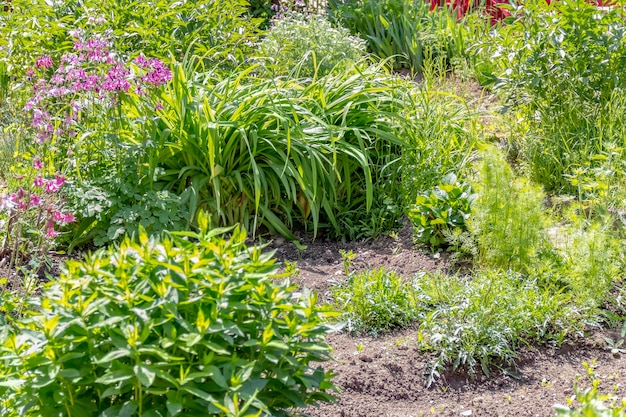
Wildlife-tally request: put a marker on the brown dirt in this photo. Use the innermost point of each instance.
(384, 377)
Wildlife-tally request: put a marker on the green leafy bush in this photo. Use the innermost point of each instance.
(445, 208)
(178, 327)
(376, 301)
(111, 206)
(308, 46)
(560, 67)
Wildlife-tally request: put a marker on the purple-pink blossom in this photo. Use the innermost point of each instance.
(44, 61)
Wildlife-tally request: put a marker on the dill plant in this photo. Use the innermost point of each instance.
(508, 221)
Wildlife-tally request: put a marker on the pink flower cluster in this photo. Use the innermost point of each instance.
(40, 200)
(91, 73)
(157, 73)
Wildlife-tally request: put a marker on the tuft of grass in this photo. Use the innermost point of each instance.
(376, 301)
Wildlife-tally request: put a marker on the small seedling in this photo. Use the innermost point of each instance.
(291, 269)
(347, 257)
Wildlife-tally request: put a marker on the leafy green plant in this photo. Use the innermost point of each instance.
(446, 207)
(591, 402)
(441, 137)
(112, 206)
(309, 46)
(346, 259)
(559, 66)
(375, 301)
(189, 325)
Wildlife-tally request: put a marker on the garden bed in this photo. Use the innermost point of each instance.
(384, 376)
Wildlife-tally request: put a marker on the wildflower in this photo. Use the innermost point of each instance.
(44, 61)
(65, 217)
(37, 164)
(38, 182)
(35, 200)
(50, 232)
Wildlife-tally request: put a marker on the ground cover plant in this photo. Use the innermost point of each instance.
(179, 136)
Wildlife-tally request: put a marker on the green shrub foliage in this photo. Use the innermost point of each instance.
(307, 46)
(560, 66)
(185, 326)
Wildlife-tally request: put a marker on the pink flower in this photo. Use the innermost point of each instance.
(50, 232)
(35, 200)
(38, 182)
(37, 164)
(59, 180)
(44, 61)
(63, 218)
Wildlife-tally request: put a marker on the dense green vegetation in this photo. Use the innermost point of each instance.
(166, 136)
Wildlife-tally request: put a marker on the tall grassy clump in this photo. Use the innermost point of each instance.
(285, 153)
(559, 67)
(441, 138)
(400, 30)
(179, 326)
(308, 46)
(507, 221)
